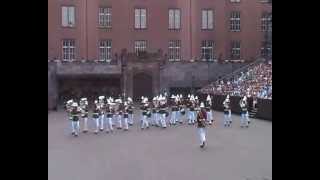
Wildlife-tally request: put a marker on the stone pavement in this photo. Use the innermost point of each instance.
(161, 154)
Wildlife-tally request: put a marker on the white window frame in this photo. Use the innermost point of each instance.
(68, 16)
(68, 50)
(105, 17)
(174, 16)
(105, 50)
(207, 47)
(235, 50)
(140, 20)
(207, 19)
(174, 50)
(235, 21)
(140, 46)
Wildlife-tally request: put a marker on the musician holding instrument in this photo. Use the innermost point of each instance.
(244, 120)
(95, 115)
(201, 124)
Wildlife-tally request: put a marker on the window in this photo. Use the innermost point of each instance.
(207, 53)
(68, 49)
(140, 18)
(105, 50)
(235, 50)
(235, 21)
(140, 46)
(68, 19)
(105, 17)
(266, 49)
(234, 1)
(174, 50)
(174, 18)
(207, 19)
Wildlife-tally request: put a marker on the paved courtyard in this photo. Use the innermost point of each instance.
(160, 154)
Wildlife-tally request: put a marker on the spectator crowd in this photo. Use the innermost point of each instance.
(255, 82)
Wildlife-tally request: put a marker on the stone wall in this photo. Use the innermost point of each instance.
(179, 74)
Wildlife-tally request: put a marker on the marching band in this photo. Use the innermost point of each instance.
(108, 113)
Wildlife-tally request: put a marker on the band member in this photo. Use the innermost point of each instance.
(126, 116)
(153, 111)
(75, 112)
(84, 113)
(95, 115)
(69, 110)
(144, 109)
(101, 113)
(174, 109)
(181, 110)
(227, 112)
(149, 113)
(192, 110)
(110, 113)
(130, 111)
(201, 124)
(244, 120)
(119, 109)
(208, 106)
(163, 111)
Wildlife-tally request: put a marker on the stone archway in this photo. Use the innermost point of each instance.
(142, 85)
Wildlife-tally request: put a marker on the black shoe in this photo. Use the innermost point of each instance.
(107, 132)
(248, 122)
(85, 131)
(204, 143)
(201, 146)
(180, 122)
(148, 127)
(76, 135)
(130, 124)
(96, 132)
(247, 126)
(242, 126)
(174, 124)
(119, 128)
(72, 133)
(125, 129)
(101, 129)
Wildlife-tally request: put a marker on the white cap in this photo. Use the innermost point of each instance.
(180, 95)
(74, 104)
(172, 96)
(196, 98)
(208, 98)
(101, 97)
(70, 101)
(83, 99)
(202, 105)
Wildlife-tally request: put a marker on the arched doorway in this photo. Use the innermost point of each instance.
(142, 86)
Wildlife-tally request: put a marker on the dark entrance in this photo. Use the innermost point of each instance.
(142, 86)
